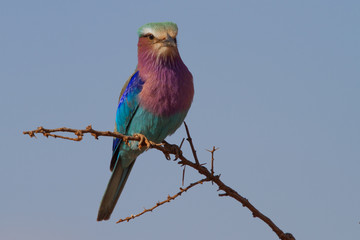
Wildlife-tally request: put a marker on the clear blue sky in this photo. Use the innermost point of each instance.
(277, 89)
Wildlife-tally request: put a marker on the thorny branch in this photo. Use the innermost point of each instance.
(189, 139)
(168, 149)
(143, 142)
(169, 198)
(212, 158)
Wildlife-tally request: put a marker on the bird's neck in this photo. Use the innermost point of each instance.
(152, 64)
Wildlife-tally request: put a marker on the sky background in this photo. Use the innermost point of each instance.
(277, 88)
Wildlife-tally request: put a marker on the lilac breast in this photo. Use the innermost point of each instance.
(168, 88)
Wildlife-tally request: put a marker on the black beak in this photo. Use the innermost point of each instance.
(169, 41)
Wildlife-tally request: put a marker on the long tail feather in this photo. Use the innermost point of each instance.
(113, 190)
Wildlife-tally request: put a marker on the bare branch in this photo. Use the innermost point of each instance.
(143, 141)
(189, 139)
(212, 158)
(169, 198)
(168, 149)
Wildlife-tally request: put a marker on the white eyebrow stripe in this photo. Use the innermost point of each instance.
(158, 33)
(151, 31)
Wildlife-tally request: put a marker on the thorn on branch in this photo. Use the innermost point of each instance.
(182, 141)
(223, 194)
(183, 175)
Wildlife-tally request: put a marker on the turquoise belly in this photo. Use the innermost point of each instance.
(155, 128)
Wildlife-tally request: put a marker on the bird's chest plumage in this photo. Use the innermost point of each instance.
(163, 104)
(167, 93)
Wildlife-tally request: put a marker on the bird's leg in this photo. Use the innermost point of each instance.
(172, 148)
(143, 141)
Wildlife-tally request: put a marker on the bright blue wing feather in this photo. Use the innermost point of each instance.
(128, 103)
(126, 110)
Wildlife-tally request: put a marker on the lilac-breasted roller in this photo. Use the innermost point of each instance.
(154, 102)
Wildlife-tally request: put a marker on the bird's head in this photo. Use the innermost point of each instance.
(158, 40)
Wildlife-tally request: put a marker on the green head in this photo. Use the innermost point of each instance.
(158, 29)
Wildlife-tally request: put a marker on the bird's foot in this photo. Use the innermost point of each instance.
(172, 148)
(143, 141)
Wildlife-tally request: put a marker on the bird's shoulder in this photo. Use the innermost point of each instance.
(134, 82)
(128, 101)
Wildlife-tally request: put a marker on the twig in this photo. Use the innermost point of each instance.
(212, 158)
(183, 176)
(182, 141)
(189, 139)
(231, 192)
(169, 198)
(168, 149)
(143, 142)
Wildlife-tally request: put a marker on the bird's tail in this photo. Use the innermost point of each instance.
(113, 190)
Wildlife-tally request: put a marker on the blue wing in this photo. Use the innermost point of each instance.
(127, 107)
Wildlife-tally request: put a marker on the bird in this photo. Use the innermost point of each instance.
(153, 102)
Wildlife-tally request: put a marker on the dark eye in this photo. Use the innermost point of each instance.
(151, 37)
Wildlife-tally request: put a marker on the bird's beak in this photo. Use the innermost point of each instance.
(169, 41)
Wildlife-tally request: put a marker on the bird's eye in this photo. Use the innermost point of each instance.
(151, 37)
